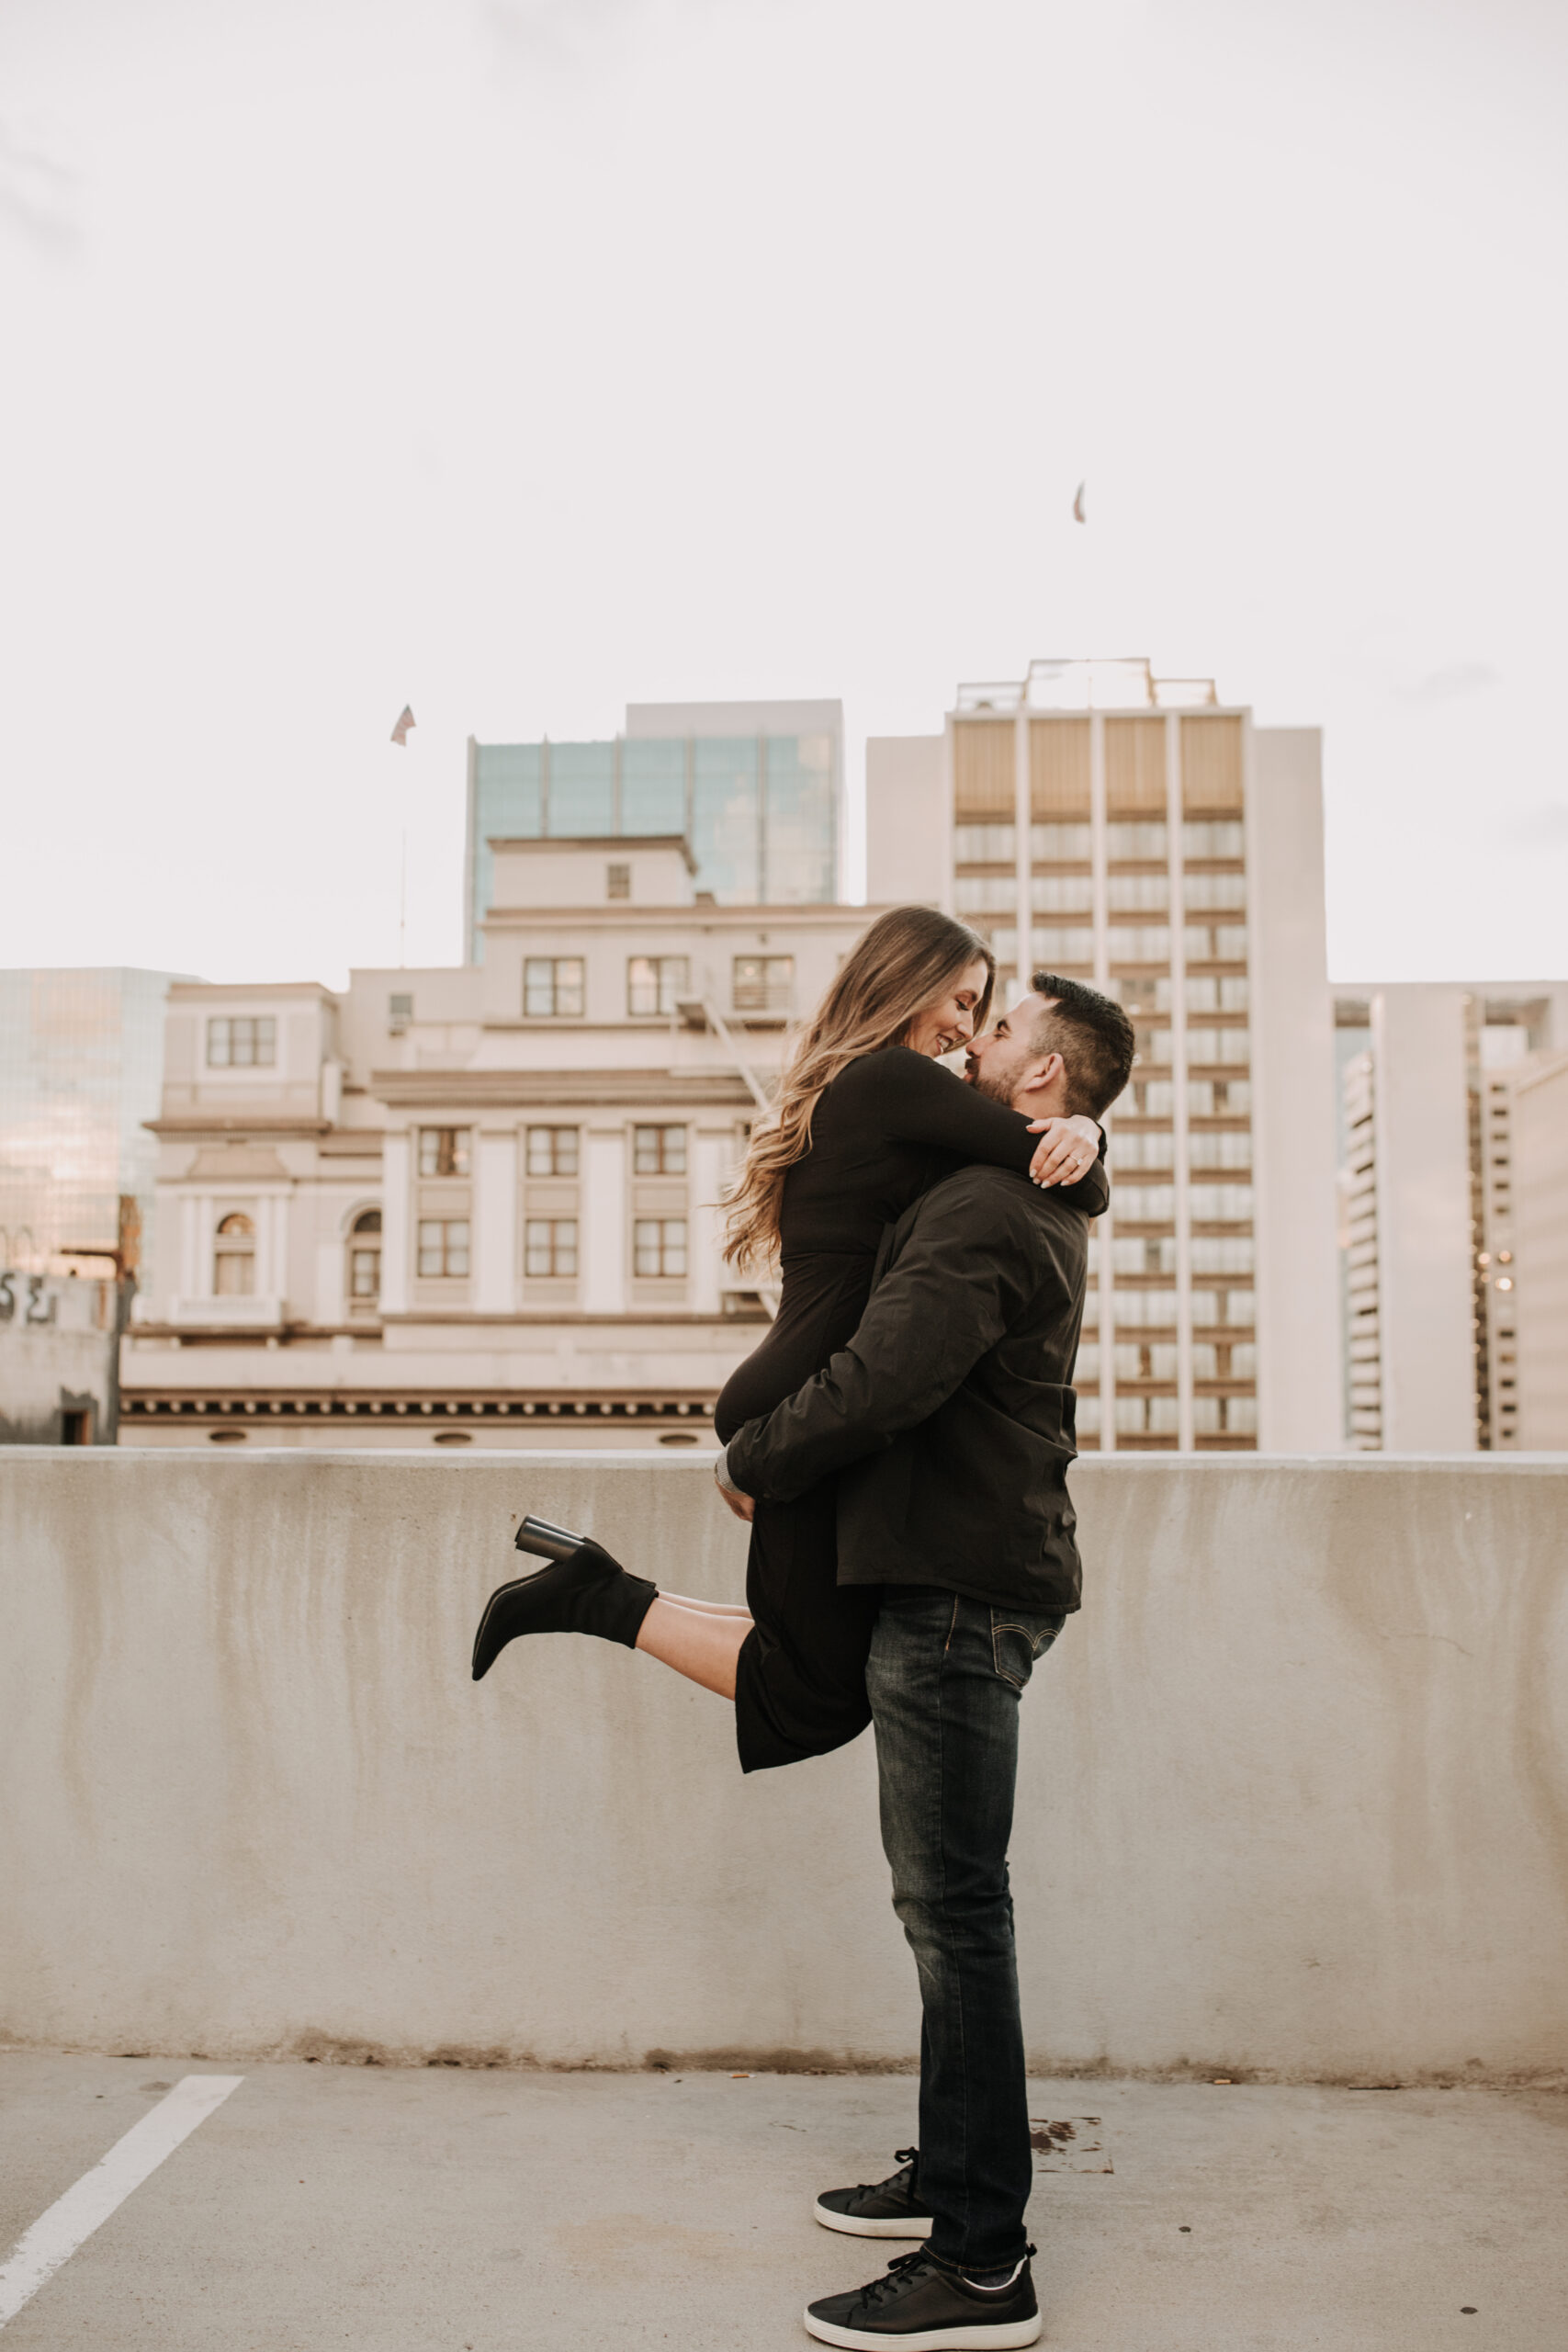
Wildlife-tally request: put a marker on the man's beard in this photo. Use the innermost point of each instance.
(995, 1089)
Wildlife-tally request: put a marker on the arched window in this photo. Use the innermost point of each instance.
(365, 1261)
(234, 1258)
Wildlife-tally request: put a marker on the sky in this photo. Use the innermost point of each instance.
(519, 358)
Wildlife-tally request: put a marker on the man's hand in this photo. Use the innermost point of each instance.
(743, 1506)
(1068, 1149)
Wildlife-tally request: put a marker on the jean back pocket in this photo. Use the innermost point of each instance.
(1019, 1636)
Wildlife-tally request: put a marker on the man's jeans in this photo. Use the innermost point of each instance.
(944, 1677)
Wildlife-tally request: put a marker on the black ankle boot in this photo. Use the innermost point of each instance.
(581, 1592)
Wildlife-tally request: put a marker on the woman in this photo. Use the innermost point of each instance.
(865, 1119)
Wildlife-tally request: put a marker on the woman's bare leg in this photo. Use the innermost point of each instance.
(706, 1607)
(701, 1646)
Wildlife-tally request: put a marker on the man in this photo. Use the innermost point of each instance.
(949, 1422)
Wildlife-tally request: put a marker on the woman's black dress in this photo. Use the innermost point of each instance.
(888, 1127)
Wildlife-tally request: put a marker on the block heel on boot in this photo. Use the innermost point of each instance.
(581, 1590)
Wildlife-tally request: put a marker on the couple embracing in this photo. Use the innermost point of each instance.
(899, 1443)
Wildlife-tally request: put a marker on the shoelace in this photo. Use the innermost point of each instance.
(905, 2156)
(882, 2291)
(900, 2276)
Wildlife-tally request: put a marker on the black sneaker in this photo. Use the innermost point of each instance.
(881, 2209)
(922, 2306)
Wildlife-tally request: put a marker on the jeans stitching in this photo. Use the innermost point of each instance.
(998, 1668)
(1038, 1644)
(953, 1959)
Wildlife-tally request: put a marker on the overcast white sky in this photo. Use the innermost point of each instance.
(520, 358)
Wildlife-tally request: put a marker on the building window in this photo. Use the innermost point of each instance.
(972, 893)
(234, 1258)
(659, 1151)
(550, 1248)
(1062, 893)
(1208, 838)
(1214, 890)
(365, 1259)
(1207, 1046)
(400, 1012)
(1224, 1147)
(552, 987)
(1138, 943)
(656, 983)
(241, 1041)
(444, 1152)
(764, 983)
(1137, 843)
(659, 1248)
(1138, 893)
(552, 1151)
(989, 844)
(1068, 842)
(617, 881)
(443, 1248)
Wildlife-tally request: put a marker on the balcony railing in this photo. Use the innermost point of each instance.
(761, 996)
(237, 1313)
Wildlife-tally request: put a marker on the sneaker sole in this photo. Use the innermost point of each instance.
(918, 2226)
(997, 2335)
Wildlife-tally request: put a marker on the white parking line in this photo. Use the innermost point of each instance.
(71, 2219)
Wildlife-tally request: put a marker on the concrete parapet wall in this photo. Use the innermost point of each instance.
(1294, 1798)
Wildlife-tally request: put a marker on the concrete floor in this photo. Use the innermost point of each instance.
(456, 2212)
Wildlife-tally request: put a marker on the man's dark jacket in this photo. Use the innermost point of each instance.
(948, 1415)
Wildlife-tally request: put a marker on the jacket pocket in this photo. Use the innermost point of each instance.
(1019, 1636)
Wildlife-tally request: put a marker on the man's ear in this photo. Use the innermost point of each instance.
(1039, 1077)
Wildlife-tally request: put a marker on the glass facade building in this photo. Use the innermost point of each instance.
(761, 813)
(81, 1070)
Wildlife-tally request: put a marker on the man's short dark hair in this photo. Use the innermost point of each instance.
(1092, 1034)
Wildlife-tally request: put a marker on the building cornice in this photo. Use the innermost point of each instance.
(624, 915)
(205, 1128)
(580, 1025)
(631, 1319)
(200, 991)
(487, 1088)
(449, 1319)
(535, 843)
(452, 1406)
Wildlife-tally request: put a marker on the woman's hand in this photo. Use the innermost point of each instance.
(1068, 1149)
(743, 1506)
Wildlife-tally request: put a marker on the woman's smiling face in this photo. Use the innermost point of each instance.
(941, 1027)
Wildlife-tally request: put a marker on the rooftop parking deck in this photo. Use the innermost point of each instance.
(1294, 1810)
(433, 2211)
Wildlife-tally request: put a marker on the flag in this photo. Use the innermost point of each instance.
(401, 731)
(1079, 515)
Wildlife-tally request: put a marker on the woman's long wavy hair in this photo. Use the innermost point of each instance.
(905, 960)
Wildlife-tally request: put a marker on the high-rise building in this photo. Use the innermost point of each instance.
(1103, 824)
(81, 1066)
(1432, 1285)
(1538, 1092)
(755, 788)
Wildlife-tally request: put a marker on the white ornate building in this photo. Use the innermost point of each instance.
(475, 1205)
